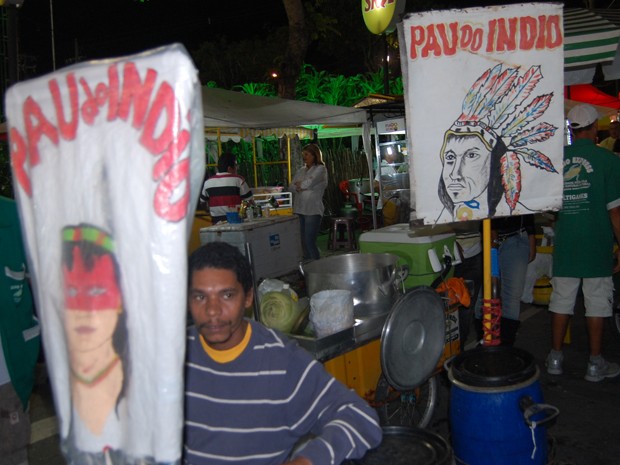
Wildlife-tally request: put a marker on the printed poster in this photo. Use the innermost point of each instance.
(485, 116)
(107, 160)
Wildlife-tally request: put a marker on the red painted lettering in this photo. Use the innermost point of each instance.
(431, 45)
(476, 42)
(467, 36)
(554, 32)
(506, 37)
(500, 35)
(527, 33)
(112, 92)
(156, 115)
(540, 41)
(89, 109)
(171, 155)
(417, 39)
(163, 201)
(491, 36)
(37, 126)
(136, 94)
(68, 129)
(161, 114)
(449, 44)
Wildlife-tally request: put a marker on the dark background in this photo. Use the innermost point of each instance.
(90, 29)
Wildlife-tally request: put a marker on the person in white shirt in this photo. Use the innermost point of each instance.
(308, 187)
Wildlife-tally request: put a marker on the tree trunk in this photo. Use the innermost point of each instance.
(298, 39)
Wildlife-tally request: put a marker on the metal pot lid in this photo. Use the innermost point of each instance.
(406, 446)
(413, 338)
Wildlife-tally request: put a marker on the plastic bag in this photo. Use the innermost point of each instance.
(331, 311)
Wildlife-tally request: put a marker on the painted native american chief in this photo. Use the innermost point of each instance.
(482, 151)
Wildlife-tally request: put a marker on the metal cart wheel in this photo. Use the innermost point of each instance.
(406, 408)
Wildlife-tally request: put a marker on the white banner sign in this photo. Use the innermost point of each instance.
(484, 103)
(108, 158)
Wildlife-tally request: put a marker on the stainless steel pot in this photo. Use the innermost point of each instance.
(372, 278)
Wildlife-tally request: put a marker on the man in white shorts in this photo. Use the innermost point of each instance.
(584, 240)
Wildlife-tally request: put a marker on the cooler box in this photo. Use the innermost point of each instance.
(422, 249)
(275, 243)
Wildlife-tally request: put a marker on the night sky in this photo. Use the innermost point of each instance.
(89, 29)
(92, 29)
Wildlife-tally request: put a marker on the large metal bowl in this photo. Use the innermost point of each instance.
(372, 278)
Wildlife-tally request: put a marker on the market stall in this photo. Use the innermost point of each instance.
(236, 116)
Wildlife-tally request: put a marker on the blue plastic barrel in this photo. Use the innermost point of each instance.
(492, 390)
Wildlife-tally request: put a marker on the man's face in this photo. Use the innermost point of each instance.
(614, 130)
(92, 303)
(217, 303)
(465, 168)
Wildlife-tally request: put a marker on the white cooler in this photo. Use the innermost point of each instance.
(275, 243)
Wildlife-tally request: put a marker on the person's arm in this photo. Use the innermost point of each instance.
(244, 190)
(315, 179)
(614, 216)
(343, 425)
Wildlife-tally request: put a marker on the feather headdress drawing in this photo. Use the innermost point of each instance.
(498, 111)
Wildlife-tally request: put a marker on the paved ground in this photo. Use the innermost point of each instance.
(587, 432)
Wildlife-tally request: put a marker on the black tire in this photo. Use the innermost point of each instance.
(406, 408)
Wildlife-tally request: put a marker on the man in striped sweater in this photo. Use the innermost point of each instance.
(224, 191)
(251, 394)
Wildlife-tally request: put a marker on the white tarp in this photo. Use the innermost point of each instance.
(239, 115)
(485, 116)
(108, 160)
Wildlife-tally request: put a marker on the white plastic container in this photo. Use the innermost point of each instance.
(275, 243)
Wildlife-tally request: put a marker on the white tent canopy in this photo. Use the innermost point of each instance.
(243, 115)
(234, 115)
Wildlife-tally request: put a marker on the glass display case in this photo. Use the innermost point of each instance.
(392, 171)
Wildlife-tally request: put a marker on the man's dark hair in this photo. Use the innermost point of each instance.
(223, 256)
(226, 160)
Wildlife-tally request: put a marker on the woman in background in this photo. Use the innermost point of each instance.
(308, 187)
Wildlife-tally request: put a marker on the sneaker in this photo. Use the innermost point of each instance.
(554, 363)
(599, 371)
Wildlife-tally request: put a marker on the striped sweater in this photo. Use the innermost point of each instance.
(255, 409)
(224, 192)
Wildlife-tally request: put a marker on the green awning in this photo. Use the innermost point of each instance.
(589, 39)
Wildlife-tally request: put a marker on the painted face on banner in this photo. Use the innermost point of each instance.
(466, 167)
(92, 302)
